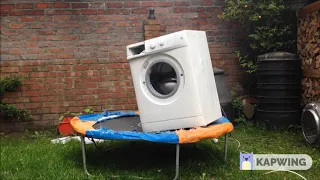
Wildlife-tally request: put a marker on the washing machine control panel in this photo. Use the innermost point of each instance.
(152, 46)
(166, 42)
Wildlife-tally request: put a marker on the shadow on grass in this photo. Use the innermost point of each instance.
(140, 158)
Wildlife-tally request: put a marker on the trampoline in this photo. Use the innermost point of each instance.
(125, 125)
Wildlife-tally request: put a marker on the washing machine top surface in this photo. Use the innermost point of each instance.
(158, 44)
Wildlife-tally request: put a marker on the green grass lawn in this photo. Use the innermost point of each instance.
(32, 156)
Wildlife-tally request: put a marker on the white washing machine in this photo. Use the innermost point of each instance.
(174, 82)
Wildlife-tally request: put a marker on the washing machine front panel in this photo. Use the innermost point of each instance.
(170, 95)
(161, 79)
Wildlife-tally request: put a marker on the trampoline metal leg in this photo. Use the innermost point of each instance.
(83, 147)
(225, 147)
(177, 161)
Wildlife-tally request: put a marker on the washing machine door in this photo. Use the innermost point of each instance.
(311, 123)
(163, 77)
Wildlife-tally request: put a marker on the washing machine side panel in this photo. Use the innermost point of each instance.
(135, 66)
(203, 75)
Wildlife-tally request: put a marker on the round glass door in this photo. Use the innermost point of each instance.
(310, 123)
(162, 79)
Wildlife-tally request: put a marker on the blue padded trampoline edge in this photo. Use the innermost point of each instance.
(104, 133)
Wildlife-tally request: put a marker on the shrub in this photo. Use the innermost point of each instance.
(268, 27)
(238, 108)
(10, 84)
(10, 110)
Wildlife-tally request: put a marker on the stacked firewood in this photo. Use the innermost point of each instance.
(309, 51)
(311, 90)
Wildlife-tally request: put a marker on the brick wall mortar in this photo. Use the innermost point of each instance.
(75, 56)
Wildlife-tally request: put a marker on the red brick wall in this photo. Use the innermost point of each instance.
(74, 52)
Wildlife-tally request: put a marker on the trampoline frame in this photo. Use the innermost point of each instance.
(83, 147)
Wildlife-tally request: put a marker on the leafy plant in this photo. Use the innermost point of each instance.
(245, 63)
(267, 27)
(203, 175)
(68, 114)
(10, 84)
(10, 110)
(87, 110)
(238, 108)
(265, 39)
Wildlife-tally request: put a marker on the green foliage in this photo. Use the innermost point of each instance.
(245, 63)
(238, 108)
(10, 83)
(10, 110)
(87, 110)
(68, 114)
(203, 176)
(267, 27)
(265, 39)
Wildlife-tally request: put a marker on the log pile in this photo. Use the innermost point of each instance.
(311, 90)
(308, 46)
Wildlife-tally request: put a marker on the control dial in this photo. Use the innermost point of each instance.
(152, 46)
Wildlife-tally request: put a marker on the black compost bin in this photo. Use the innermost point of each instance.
(278, 90)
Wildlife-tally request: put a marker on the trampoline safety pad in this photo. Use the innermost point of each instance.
(125, 125)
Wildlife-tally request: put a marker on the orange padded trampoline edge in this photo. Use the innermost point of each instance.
(81, 126)
(185, 136)
(195, 135)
